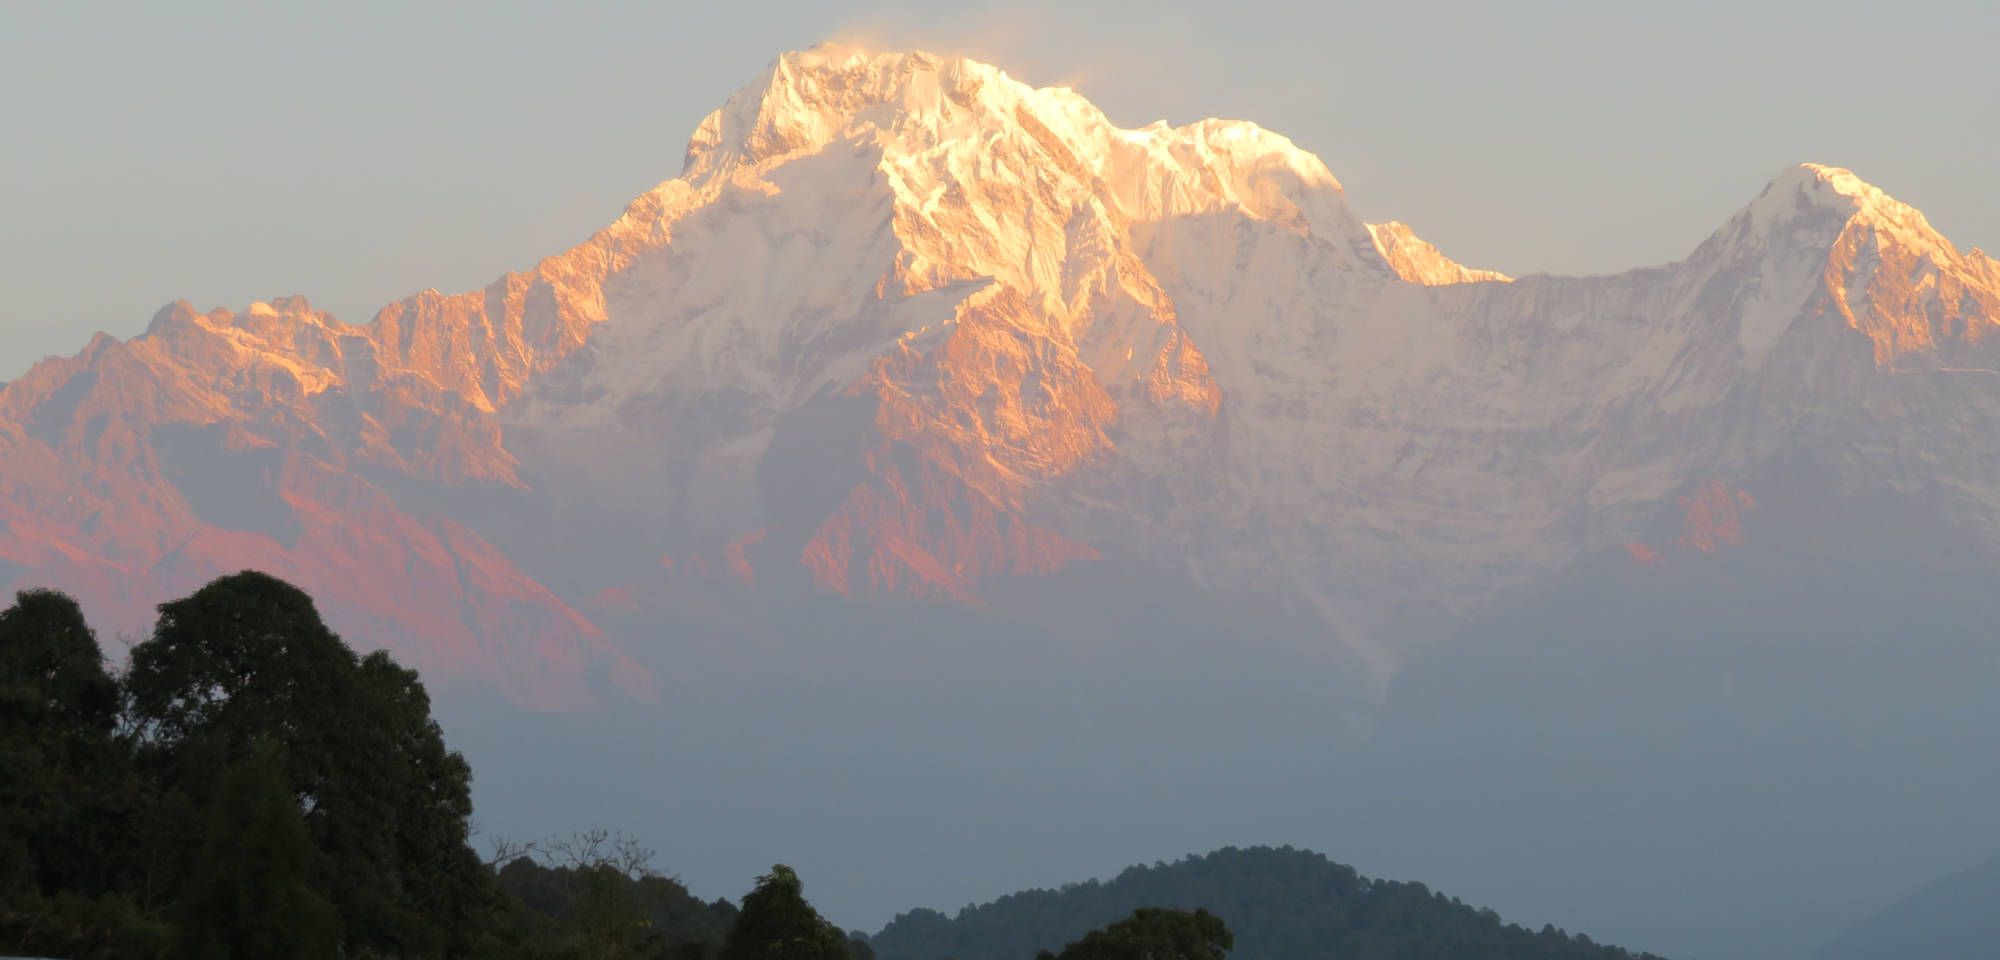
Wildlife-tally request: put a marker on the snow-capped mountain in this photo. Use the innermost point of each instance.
(907, 328)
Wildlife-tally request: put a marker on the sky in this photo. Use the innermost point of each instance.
(224, 152)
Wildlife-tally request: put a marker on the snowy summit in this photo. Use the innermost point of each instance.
(907, 327)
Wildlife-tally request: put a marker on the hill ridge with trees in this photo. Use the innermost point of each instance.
(1281, 903)
(249, 786)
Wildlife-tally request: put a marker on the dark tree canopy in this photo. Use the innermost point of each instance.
(249, 894)
(58, 707)
(251, 787)
(243, 657)
(592, 900)
(68, 792)
(52, 669)
(1279, 904)
(386, 804)
(776, 923)
(1153, 933)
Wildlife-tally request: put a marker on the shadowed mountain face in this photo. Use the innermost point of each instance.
(910, 347)
(1948, 919)
(1774, 722)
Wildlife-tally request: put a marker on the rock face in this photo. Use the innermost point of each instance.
(1417, 261)
(906, 328)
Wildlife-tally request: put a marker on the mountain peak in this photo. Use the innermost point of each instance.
(922, 107)
(1839, 181)
(809, 98)
(1877, 263)
(1037, 305)
(1813, 194)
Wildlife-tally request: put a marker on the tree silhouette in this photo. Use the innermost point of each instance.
(249, 894)
(68, 793)
(385, 803)
(777, 923)
(58, 707)
(1152, 933)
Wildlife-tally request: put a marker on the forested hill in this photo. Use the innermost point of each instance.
(1282, 904)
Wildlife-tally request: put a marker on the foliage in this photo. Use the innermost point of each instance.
(596, 894)
(777, 923)
(385, 803)
(249, 895)
(68, 792)
(1152, 933)
(253, 788)
(1280, 903)
(52, 667)
(58, 707)
(106, 927)
(249, 762)
(408, 823)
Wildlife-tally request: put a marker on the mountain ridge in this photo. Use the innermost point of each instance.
(1278, 902)
(906, 327)
(1947, 919)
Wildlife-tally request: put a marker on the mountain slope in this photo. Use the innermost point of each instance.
(215, 442)
(907, 328)
(1225, 370)
(1281, 904)
(1419, 262)
(1768, 720)
(921, 395)
(1949, 919)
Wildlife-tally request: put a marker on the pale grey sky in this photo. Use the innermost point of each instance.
(223, 152)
